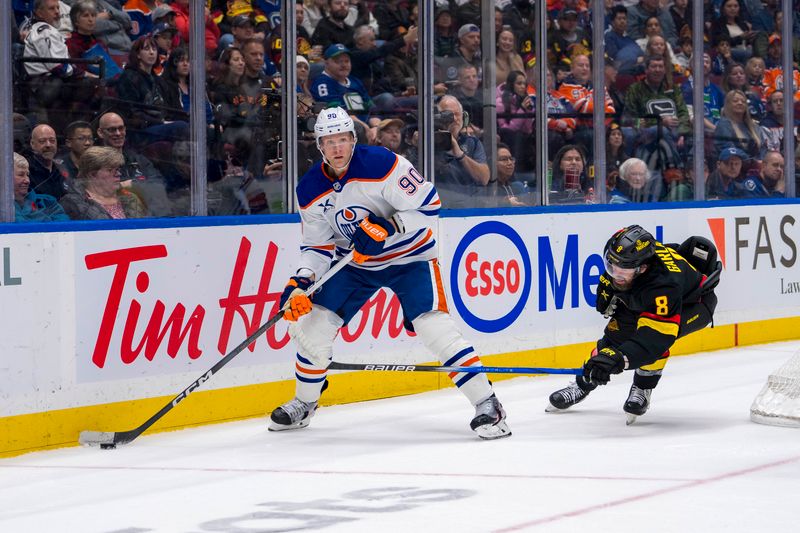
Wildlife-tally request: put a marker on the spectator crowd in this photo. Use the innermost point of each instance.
(102, 120)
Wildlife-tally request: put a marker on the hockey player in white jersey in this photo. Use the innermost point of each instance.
(373, 200)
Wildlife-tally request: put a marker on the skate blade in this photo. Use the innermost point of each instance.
(492, 432)
(630, 419)
(273, 426)
(552, 408)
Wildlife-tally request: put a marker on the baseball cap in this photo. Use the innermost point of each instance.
(732, 151)
(467, 28)
(241, 20)
(564, 13)
(385, 123)
(335, 50)
(162, 11)
(163, 27)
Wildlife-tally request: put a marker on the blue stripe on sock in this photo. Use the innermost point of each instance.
(463, 380)
(309, 380)
(459, 355)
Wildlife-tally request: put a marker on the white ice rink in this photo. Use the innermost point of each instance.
(693, 463)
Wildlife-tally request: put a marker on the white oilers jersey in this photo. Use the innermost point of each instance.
(377, 182)
(44, 40)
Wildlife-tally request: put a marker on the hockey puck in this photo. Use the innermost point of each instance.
(108, 446)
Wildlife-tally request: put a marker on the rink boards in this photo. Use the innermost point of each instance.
(103, 327)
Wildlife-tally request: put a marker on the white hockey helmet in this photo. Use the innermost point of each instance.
(331, 121)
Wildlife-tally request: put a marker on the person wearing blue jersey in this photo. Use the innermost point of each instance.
(372, 200)
(336, 87)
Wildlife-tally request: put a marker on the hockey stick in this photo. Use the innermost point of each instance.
(465, 369)
(109, 439)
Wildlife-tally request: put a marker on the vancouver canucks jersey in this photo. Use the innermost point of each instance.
(377, 182)
(657, 299)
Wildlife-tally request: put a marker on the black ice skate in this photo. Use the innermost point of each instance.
(490, 420)
(637, 403)
(566, 397)
(294, 414)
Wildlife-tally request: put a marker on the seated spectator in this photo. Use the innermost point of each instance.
(212, 33)
(303, 70)
(506, 57)
(368, 58)
(620, 48)
(640, 12)
(468, 93)
(462, 172)
(615, 147)
(570, 183)
(140, 13)
(773, 58)
(737, 128)
(772, 176)
(144, 97)
(313, 12)
(77, 137)
(636, 184)
(390, 134)
(568, 39)
(332, 28)
(393, 19)
(684, 54)
(47, 176)
(659, 47)
(242, 29)
(137, 172)
(731, 24)
(164, 36)
(561, 124)
(445, 39)
(84, 21)
(510, 191)
(468, 12)
(42, 38)
(723, 58)
(654, 96)
(727, 180)
(754, 71)
(467, 51)
(175, 87)
(335, 87)
(98, 193)
(736, 78)
(713, 97)
(681, 18)
(512, 99)
(30, 206)
(577, 90)
(772, 125)
(303, 36)
(113, 27)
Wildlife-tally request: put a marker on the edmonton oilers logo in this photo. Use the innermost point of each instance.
(347, 219)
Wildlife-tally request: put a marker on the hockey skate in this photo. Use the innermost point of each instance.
(490, 420)
(294, 414)
(637, 403)
(566, 397)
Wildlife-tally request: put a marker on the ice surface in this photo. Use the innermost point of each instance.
(694, 462)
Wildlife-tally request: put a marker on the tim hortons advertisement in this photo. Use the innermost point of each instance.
(164, 301)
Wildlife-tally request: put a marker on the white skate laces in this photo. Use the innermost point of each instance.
(294, 414)
(489, 421)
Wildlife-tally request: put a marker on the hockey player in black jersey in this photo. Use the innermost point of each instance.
(653, 294)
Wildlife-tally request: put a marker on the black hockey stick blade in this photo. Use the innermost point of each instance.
(109, 439)
(334, 365)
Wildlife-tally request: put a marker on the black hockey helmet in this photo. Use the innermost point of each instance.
(630, 247)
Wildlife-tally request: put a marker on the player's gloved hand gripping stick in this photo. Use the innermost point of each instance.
(110, 439)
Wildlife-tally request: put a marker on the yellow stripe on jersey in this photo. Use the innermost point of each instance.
(666, 328)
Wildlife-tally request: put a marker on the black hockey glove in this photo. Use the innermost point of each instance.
(369, 237)
(606, 302)
(598, 369)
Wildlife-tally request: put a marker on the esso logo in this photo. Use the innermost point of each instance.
(490, 279)
(487, 277)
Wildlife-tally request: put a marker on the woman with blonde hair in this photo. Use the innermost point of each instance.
(98, 194)
(506, 58)
(737, 128)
